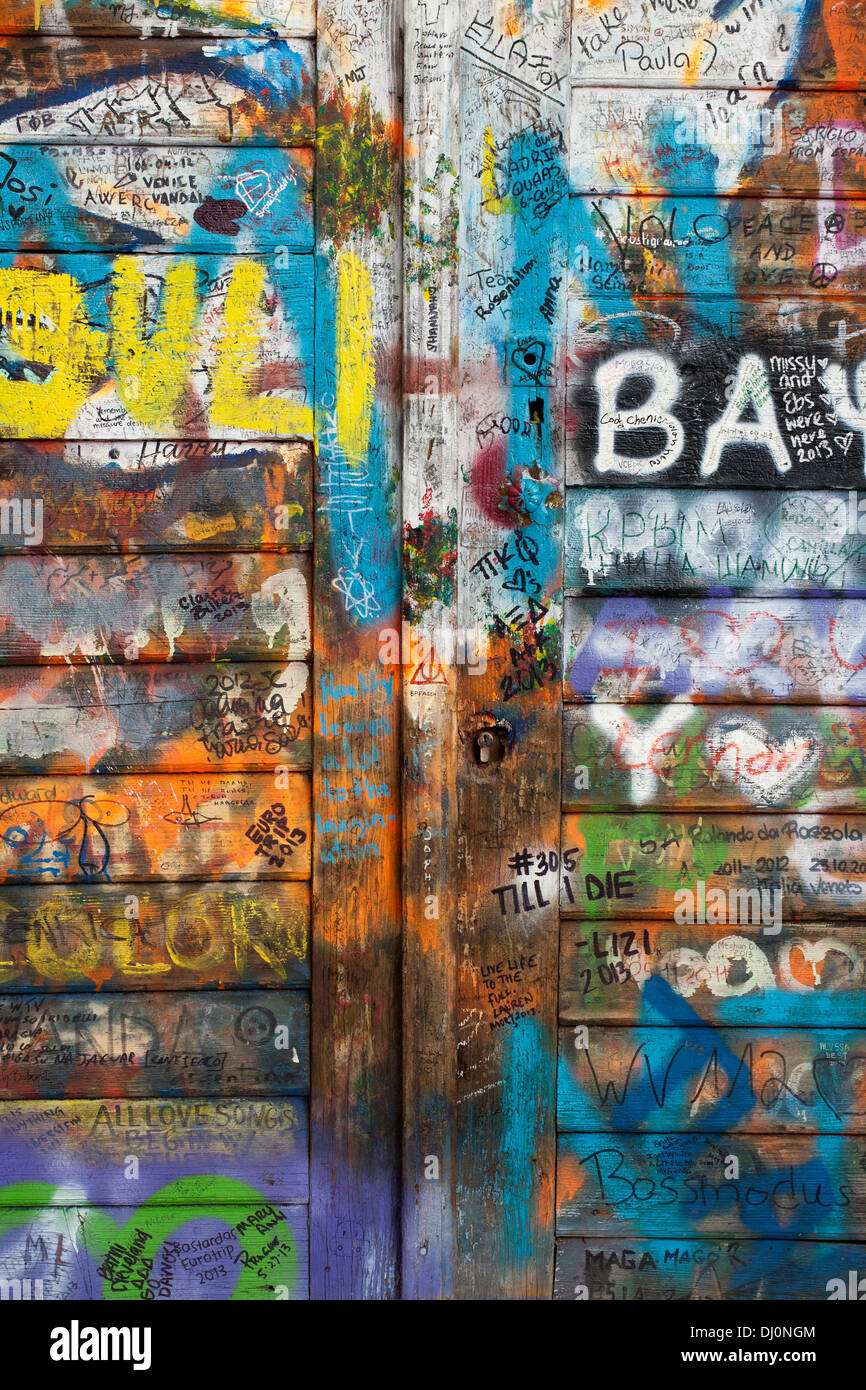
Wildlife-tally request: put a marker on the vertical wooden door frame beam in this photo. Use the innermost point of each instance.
(430, 648)
(512, 276)
(478, 1140)
(357, 843)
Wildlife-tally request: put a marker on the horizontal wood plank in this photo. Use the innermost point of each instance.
(810, 974)
(248, 716)
(149, 91)
(125, 829)
(746, 392)
(165, 495)
(734, 1081)
(710, 757)
(214, 1044)
(699, 44)
(79, 608)
(788, 1186)
(691, 541)
(672, 140)
(697, 245)
(125, 197)
(801, 651)
(245, 19)
(805, 865)
(156, 347)
(181, 1145)
(233, 1243)
(681, 1267)
(162, 936)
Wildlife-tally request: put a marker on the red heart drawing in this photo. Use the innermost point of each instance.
(737, 630)
(841, 660)
(805, 966)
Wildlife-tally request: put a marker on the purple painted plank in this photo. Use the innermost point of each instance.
(112, 1152)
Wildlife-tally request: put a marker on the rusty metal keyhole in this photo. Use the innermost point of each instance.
(489, 743)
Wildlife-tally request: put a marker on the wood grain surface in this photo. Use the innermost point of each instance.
(247, 716)
(161, 495)
(87, 1143)
(807, 974)
(355, 1118)
(797, 651)
(635, 864)
(760, 390)
(93, 608)
(732, 1080)
(156, 346)
(682, 1267)
(512, 278)
(109, 90)
(687, 541)
(233, 1244)
(129, 197)
(154, 1044)
(713, 757)
(431, 742)
(792, 1186)
(162, 936)
(247, 18)
(126, 829)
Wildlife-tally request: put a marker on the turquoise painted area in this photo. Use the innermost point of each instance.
(527, 1097)
(267, 180)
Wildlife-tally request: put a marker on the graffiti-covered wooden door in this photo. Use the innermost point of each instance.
(711, 977)
(157, 403)
(635, 432)
(200, 322)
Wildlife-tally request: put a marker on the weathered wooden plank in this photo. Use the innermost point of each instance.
(805, 651)
(734, 1081)
(676, 140)
(162, 936)
(215, 1044)
(788, 1186)
(699, 44)
(679, 1268)
(709, 757)
(689, 541)
(245, 18)
(82, 608)
(430, 737)
(355, 1181)
(806, 975)
(247, 716)
(180, 1147)
(743, 392)
(648, 245)
(155, 346)
(155, 496)
(233, 1243)
(110, 90)
(513, 264)
(122, 829)
(803, 864)
(125, 197)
